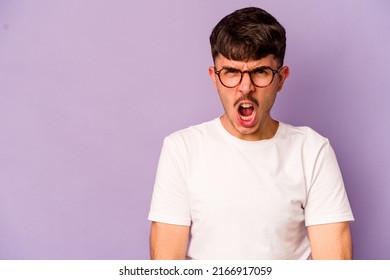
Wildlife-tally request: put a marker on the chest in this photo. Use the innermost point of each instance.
(259, 185)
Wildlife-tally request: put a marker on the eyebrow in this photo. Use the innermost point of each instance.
(235, 68)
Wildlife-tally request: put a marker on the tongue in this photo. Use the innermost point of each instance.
(246, 111)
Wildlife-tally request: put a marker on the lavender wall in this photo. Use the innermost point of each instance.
(88, 90)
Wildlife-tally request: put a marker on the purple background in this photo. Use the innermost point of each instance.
(88, 90)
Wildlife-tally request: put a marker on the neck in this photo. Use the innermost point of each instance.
(264, 130)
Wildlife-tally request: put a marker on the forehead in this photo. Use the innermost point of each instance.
(269, 60)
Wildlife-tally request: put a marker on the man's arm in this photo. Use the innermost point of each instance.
(331, 241)
(168, 242)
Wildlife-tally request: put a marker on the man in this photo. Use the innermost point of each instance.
(245, 186)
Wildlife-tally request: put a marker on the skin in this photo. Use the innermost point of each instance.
(168, 242)
(264, 127)
(328, 241)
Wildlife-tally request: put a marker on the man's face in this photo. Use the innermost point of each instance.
(247, 107)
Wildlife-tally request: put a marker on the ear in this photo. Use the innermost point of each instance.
(212, 75)
(283, 74)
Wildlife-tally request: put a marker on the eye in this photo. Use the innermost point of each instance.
(262, 71)
(230, 71)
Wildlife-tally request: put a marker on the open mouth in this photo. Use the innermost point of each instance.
(246, 111)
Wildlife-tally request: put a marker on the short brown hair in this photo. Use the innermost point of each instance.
(248, 34)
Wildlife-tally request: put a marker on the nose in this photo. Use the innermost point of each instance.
(246, 86)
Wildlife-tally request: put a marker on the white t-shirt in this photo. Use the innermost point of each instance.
(248, 199)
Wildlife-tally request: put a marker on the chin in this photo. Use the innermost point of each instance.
(246, 131)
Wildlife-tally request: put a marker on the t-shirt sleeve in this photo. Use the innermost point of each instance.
(327, 200)
(169, 201)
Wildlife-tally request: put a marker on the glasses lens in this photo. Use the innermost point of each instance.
(262, 76)
(230, 77)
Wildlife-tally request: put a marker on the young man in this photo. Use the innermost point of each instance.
(245, 186)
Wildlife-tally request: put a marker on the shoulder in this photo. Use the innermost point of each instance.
(306, 140)
(193, 134)
(187, 143)
(303, 134)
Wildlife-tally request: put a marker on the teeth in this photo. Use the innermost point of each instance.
(246, 106)
(245, 118)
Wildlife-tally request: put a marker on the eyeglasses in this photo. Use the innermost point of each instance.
(261, 76)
